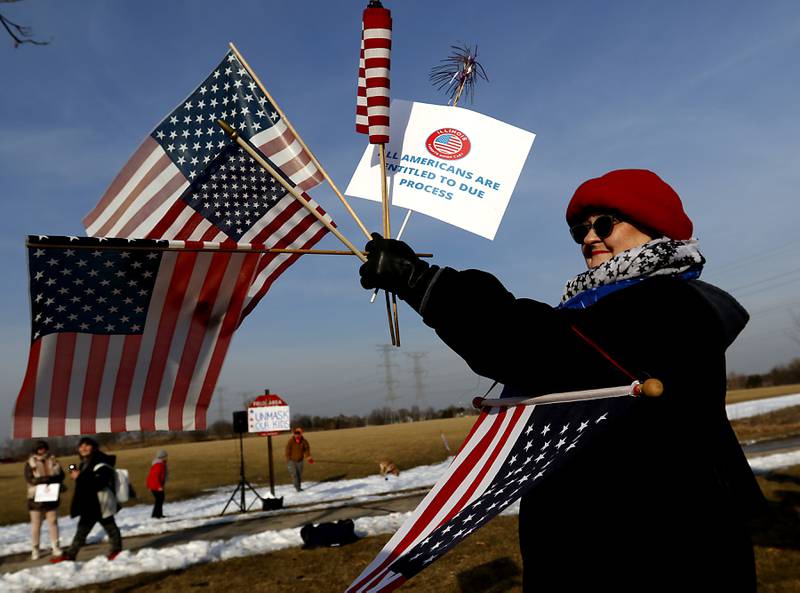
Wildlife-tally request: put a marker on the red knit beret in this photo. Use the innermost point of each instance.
(638, 195)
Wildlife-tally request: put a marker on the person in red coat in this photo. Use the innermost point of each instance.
(156, 480)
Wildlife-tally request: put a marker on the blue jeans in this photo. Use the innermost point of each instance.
(296, 471)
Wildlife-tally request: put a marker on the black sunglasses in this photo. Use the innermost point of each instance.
(603, 225)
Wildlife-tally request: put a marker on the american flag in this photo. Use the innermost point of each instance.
(507, 452)
(362, 121)
(234, 198)
(372, 100)
(127, 335)
(149, 197)
(448, 143)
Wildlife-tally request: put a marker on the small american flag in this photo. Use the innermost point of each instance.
(448, 143)
(362, 121)
(507, 452)
(127, 335)
(149, 197)
(234, 198)
(372, 102)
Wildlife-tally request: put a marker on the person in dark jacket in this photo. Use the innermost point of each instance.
(156, 480)
(43, 468)
(94, 499)
(662, 501)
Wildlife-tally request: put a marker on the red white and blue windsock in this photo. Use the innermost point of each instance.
(372, 103)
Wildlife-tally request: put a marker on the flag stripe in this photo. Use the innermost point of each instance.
(158, 302)
(129, 357)
(229, 324)
(174, 219)
(223, 307)
(123, 183)
(158, 197)
(83, 344)
(254, 296)
(23, 409)
(44, 385)
(193, 340)
(175, 342)
(62, 371)
(473, 481)
(152, 179)
(175, 295)
(108, 384)
(91, 385)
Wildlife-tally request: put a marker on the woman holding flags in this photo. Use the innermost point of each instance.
(661, 502)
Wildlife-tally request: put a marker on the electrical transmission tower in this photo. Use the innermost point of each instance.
(391, 394)
(419, 387)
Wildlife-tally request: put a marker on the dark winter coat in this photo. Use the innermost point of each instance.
(661, 503)
(85, 501)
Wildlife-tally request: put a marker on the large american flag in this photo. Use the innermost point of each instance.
(126, 334)
(234, 198)
(150, 197)
(507, 452)
(372, 100)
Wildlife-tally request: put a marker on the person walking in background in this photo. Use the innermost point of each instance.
(94, 499)
(156, 480)
(43, 468)
(297, 449)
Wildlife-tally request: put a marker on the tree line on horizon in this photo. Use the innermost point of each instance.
(15, 450)
(785, 374)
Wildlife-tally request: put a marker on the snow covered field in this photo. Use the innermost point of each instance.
(203, 510)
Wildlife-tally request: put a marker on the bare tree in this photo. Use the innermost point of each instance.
(19, 33)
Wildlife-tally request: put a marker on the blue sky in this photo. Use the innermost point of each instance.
(704, 93)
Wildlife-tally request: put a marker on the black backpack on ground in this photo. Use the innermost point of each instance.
(328, 534)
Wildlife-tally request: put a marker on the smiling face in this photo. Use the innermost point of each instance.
(85, 449)
(623, 236)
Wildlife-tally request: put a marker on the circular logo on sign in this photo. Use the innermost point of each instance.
(448, 143)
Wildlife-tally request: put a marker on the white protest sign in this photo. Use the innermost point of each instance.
(268, 414)
(46, 492)
(451, 163)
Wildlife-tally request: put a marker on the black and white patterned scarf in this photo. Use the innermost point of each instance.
(659, 257)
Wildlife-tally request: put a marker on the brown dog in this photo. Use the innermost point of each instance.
(388, 467)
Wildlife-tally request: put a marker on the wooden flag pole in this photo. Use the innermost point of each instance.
(222, 248)
(234, 135)
(648, 388)
(316, 162)
(394, 321)
(289, 125)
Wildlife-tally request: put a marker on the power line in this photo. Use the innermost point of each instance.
(770, 278)
(738, 263)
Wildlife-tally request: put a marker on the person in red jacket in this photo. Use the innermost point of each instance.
(156, 480)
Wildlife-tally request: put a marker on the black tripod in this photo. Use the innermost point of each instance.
(243, 483)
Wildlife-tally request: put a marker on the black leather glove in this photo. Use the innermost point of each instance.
(392, 265)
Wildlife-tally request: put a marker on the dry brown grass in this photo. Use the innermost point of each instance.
(194, 467)
(774, 425)
(741, 395)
